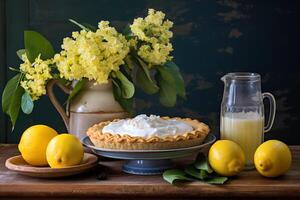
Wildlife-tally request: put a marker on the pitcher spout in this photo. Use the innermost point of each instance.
(223, 78)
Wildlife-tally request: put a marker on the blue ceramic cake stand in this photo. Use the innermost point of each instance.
(147, 162)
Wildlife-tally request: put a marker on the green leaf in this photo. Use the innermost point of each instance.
(80, 25)
(8, 92)
(36, 44)
(174, 175)
(20, 52)
(15, 104)
(179, 82)
(14, 69)
(77, 88)
(126, 104)
(167, 92)
(89, 26)
(218, 180)
(200, 174)
(203, 176)
(26, 103)
(127, 32)
(144, 80)
(117, 91)
(202, 163)
(64, 81)
(126, 86)
(126, 71)
(129, 62)
(166, 74)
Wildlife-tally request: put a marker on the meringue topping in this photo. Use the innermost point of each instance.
(147, 126)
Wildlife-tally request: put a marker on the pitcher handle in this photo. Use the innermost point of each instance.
(272, 101)
(54, 100)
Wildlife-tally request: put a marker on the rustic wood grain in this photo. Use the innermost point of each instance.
(247, 185)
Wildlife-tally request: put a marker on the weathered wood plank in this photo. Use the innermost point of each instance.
(249, 184)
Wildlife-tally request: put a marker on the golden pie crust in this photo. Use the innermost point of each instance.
(127, 142)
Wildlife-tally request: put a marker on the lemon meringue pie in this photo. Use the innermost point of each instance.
(148, 133)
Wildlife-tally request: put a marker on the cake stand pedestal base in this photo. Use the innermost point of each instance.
(147, 167)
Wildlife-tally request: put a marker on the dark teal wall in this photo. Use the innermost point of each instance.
(211, 39)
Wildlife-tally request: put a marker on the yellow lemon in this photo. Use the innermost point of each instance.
(226, 158)
(33, 144)
(64, 150)
(272, 158)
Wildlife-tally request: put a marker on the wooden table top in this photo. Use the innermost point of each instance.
(119, 185)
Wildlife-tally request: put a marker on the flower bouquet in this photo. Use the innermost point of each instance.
(137, 57)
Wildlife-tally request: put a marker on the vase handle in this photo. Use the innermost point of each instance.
(54, 100)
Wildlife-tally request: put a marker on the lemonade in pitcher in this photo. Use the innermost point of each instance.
(246, 129)
(242, 112)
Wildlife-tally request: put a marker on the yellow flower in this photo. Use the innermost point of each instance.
(156, 53)
(92, 55)
(36, 76)
(154, 33)
(133, 43)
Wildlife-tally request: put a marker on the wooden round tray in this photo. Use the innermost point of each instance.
(18, 164)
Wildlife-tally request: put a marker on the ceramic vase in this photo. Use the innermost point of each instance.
(93, 104)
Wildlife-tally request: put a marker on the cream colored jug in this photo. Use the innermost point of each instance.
(93, 104)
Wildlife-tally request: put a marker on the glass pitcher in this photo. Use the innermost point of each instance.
(242, 112)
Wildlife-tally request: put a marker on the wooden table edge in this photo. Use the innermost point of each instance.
(188, 190)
